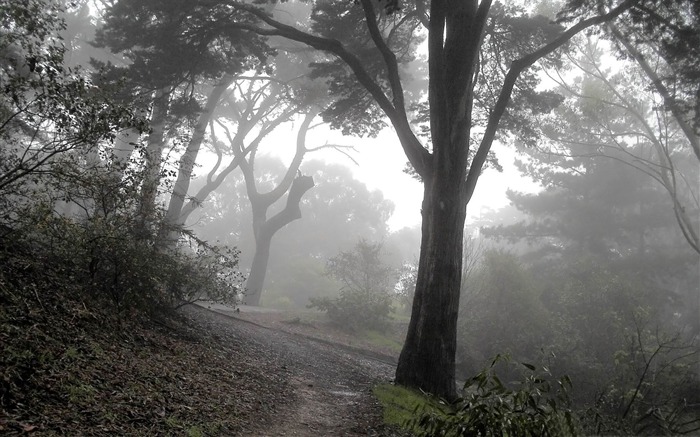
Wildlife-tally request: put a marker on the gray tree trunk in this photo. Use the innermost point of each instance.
(265, 230)
(174, 218)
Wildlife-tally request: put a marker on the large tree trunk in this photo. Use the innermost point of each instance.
(427, 360)
(258, 270)
(266, 229)
(173, 216)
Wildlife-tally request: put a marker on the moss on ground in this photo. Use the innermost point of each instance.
(401, 405)
(384, 341)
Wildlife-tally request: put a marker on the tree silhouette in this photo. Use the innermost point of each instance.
(450, 170)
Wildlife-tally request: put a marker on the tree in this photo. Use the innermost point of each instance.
(663, 39)
(176, 67)
(254, 107)
(613, 114)
(365, 300)
(257, 106)
(456, 35)
(48, 111)
(597, 208)
(264, 228)
(337, 202)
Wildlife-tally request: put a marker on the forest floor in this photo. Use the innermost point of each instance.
(69, 369)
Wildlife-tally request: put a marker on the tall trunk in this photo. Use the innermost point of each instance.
(264, 231)
(258, 269)
(173, 219)
(427, 360)
(154, 156)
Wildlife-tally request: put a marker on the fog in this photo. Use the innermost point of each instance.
(263, 165)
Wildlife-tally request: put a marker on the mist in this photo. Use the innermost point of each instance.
(352, 210)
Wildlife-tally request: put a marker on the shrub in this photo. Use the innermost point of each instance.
(110, 262)
(532, 407)
(364, 300)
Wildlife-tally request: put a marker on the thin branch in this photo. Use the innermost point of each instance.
(415, 152)
(517, 67)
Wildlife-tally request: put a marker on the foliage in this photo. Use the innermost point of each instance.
(615, 297)
(105, 250)
(65, 200)
(649, 384)
(364, 300)
(610, 114)
(354, 111)
(632, 352)
(500, 312)
(406, 286)
(665, 29)
(535, 406)
(46, 110)
(173, 44)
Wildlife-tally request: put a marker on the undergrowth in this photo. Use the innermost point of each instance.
(72, 365)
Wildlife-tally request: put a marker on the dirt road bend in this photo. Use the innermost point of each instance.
(326, 389)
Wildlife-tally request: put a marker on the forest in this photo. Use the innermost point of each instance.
(161, 159)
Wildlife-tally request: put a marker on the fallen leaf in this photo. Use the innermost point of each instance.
(28, 428)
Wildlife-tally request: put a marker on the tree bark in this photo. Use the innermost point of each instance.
(153, 160)
(258, 270)
(263, 237)
(427, 360)
(173, 215)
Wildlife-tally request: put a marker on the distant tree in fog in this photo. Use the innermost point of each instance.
(502, 313)
(602, 209)
(611, 113)
(367, 284)
(336, 212)
(294, 185)
(175, 67)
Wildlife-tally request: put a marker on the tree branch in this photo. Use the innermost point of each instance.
(517, 67)
(387, 54)
(669, 101)
(418, 156)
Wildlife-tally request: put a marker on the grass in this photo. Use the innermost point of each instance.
(383, 341)
(401, 405)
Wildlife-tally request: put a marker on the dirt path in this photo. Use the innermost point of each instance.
(328, 387)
